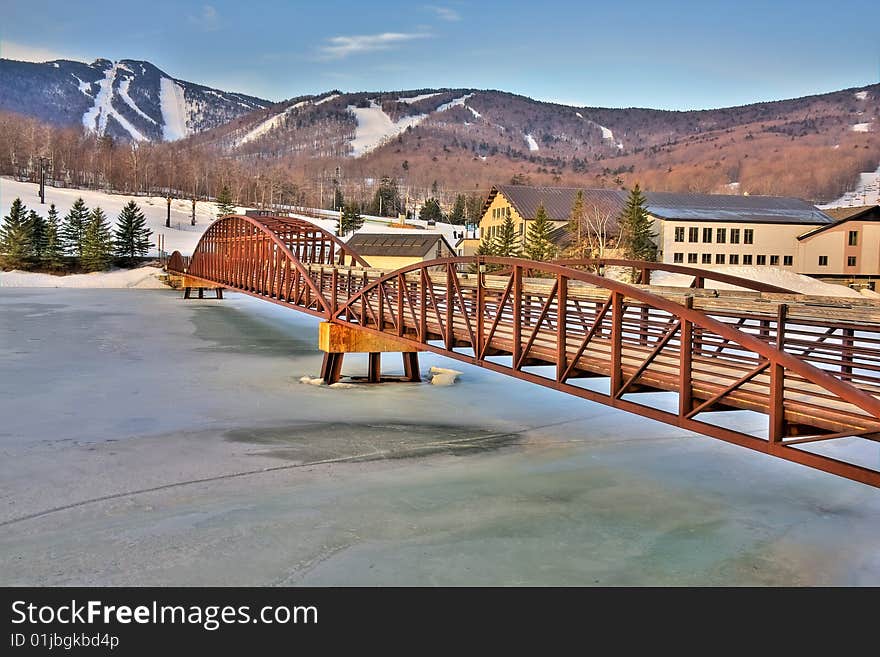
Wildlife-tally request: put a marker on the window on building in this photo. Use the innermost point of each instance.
(774, 261)
(707, 259)
(734, 235)
(747, 259)
(721, 235)
(679, 233)
(787, 261)
(678, 257)
(692, 258)
(850, 261)
(693, 234)
(707, 235)
(719, 258)
(734, 258)
(853, 238)
(522, 227)
(823, 261)
(761, 260)
(748, 236)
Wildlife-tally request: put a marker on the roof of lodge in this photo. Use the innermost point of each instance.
(842, 215)
(394, 244)
(666, 205)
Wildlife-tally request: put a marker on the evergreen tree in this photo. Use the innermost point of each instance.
(386, 201)
(15, 237)
(73, 228)
(538, 244)
(431, 210)
(132, 237)
(38, 236)
(486, 248)
(636, 237)
(338, 200)
(350, 220)
(459, 209)
(97, 245)
(507, 243)
(53, 253)
(225, 204)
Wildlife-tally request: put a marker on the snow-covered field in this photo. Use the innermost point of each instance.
(140, 278)
(772, 275)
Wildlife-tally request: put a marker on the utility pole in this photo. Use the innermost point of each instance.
(44, 162)
(193, 220)
(168, 214)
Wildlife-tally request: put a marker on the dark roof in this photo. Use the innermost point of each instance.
(394, 244)
(843, 214)
(684, 207)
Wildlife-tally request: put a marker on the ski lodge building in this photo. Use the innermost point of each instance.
(711, 230)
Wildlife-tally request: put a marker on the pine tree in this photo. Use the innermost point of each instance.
(73, 228)
(486, 248)
(431, 210)
(350, 220)
(507, 243)
(38, 236)
(338, 199)
(53, 253)
(538, 244)
(386, 201)
(636, 237)
(457, 216)
(225, 204)
(15, 237)
(97, 249)
(132, 237)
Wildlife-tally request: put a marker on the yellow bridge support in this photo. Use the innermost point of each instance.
(336, 340)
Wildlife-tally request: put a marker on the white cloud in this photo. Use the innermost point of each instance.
(208, 19)
(339, 47)
(444, 13)
(25, 53)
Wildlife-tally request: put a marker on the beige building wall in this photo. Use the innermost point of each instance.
(396, 262)
(767, 240)
(828, 252)
(468, 247)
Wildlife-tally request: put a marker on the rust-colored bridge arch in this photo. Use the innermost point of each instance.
(812, 369)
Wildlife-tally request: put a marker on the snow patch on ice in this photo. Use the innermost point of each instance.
(173, 104)
(141, 278)
(533, 145)
(441, 376)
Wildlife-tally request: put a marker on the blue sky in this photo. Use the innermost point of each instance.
(674, 55)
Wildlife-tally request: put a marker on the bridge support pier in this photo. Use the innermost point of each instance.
(336, 340)
(189, 284)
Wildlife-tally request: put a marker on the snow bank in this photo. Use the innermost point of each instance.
(441, 376)
(173, 104)
(779, 277)
(141, 278)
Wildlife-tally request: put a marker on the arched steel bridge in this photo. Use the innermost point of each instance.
(809, 365)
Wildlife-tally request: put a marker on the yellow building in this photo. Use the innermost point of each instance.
(396, 250)
(847, 251)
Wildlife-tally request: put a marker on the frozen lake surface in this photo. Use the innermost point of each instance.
(150, 441)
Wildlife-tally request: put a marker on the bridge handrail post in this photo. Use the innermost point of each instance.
(777, 382)
(685, 364)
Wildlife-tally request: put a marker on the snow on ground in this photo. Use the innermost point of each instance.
(533, 145)
(270, 124)
(83, 86)
(862, 127)
(181, 236)
(867, 192)
(861, 95)
(173, 104)
(414, 99)
(454, 103)
(124, 83)
(476, 114)
(733, 187)
(375, 127)
(97, 115)
(771, 275)
(326, 99)
(141, 278)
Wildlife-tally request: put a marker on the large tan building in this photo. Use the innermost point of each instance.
(709, 230)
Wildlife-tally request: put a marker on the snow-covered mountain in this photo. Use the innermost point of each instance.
(128, 99)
